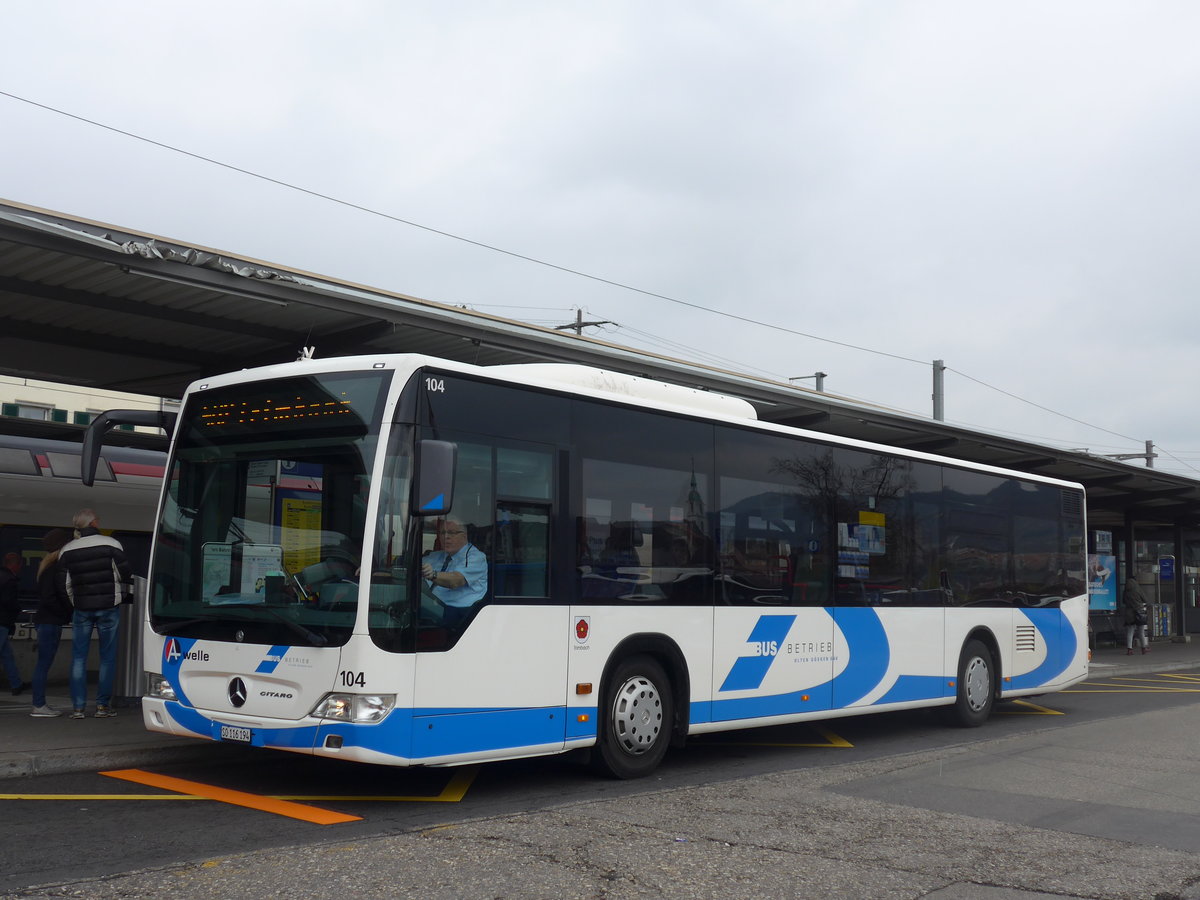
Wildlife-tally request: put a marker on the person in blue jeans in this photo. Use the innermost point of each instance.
(10, 609)
(95, 574)
(53, 612)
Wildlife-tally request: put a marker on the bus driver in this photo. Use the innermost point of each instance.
(458, 573)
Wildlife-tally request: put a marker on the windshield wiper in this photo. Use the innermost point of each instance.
(315, 638)
(171, 626)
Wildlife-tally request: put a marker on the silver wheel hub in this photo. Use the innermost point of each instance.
(977, 683)
(637, 715)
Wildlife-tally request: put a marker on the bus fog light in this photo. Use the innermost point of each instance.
(361, 708)
(157, 686)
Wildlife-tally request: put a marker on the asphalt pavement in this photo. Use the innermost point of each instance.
(37, 746)
(964, 822)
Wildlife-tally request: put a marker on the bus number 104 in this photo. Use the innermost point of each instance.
(353, 679)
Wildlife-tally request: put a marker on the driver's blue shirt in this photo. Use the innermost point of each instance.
(470, 562)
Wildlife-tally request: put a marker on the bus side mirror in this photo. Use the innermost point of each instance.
(434, 484)
(93, 438)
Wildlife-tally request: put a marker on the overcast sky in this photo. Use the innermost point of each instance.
(1011, 187)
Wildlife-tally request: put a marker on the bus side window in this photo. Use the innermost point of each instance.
(644, 518)
(520, 540)
(521, 550)
(775, 542)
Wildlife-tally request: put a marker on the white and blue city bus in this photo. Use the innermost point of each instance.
(659, 564)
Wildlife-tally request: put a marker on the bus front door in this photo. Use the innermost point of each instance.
(498, 692)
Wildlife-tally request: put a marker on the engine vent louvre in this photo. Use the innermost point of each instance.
(1026, 639)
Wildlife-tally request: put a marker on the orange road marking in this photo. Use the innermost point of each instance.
(454, 791)
(237, 798)
(78, 797)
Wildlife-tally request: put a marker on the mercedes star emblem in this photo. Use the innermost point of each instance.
(237, 692)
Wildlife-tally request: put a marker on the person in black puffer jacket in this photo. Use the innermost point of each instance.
(94, 573)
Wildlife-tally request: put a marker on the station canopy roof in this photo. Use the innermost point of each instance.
(95, 305)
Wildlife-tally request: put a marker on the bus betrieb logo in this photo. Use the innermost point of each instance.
(582, 629)
(748, 671)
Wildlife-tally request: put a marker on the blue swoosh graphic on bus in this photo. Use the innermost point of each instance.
(441, 732)
(748, 672)
(910, 688)
(273, 658)
(866, 644)
(1061, 646)
(870, 655)
(421, 734)
(175, 653)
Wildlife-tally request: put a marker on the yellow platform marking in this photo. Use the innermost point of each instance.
(1030, 709)
(453, 792)
(1161, 683)
(237, 798)
(832, 740)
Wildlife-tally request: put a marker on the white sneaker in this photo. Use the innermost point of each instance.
(45, 712)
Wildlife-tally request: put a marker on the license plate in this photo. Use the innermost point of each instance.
(234, 733)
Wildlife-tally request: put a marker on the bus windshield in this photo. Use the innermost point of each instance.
(261, 534)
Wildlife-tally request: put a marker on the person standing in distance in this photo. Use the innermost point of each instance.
(10, 610)
(96, 576)
(1134, 602)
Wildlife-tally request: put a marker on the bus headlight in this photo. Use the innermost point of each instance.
(361, 708)
(157, 686)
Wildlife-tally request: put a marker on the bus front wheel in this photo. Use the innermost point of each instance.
(635, 719)
(976, 685)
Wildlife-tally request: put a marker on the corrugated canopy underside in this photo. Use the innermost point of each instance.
(91, 304)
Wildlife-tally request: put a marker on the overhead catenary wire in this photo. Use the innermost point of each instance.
(448, 234)
(547, 264)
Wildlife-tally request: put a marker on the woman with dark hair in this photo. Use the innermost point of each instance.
(1134, 602)
(53, 612)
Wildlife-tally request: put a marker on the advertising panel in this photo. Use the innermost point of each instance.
(1102, 584)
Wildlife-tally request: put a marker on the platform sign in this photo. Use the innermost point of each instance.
(1166, 568)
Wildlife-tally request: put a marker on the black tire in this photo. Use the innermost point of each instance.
(636, 716)
(976, 685)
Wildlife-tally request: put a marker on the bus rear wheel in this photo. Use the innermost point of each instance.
(636, 714)
(976, 691)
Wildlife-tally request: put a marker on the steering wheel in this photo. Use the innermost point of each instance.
(432, 609)
(400, 613)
